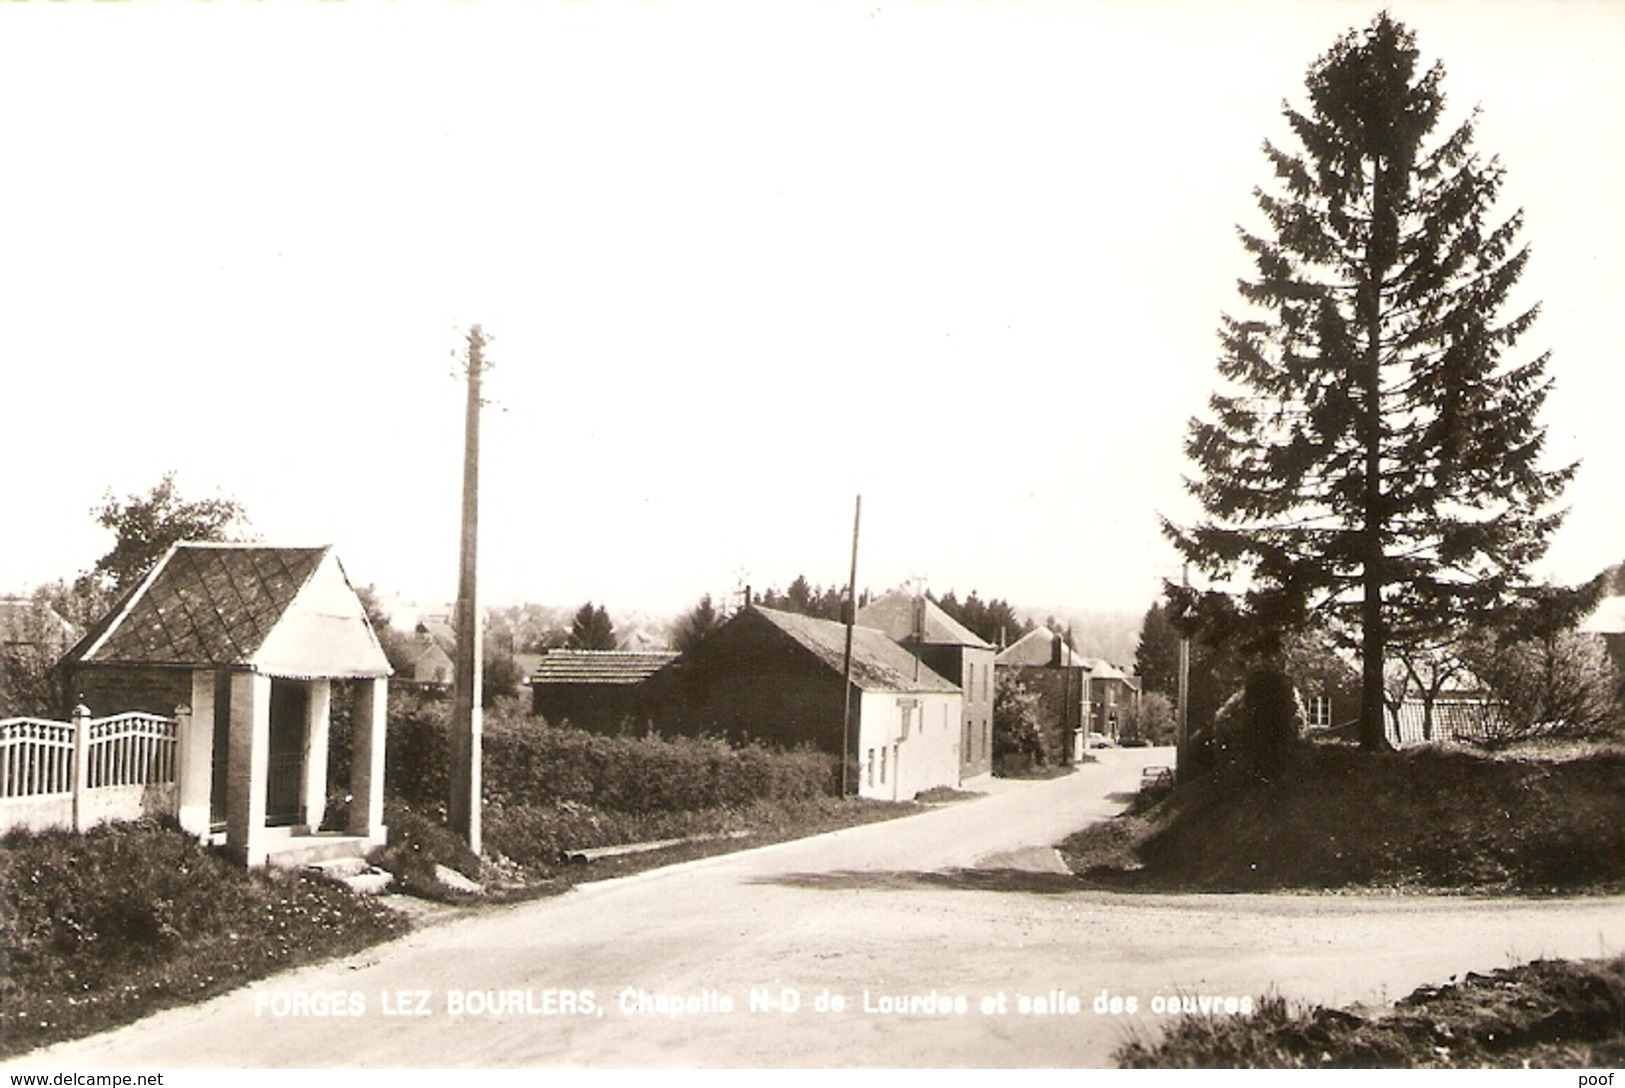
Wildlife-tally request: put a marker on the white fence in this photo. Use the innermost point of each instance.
(80, 772)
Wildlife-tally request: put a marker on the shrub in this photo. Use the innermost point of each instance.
(418, 843)
(101, 927)
(528, 761)
(416, 747)
(1151, 718)
(1256, 729)
(1564, 685)
(1018, 733)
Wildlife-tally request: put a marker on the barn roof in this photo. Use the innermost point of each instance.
(281, 611)
(902, 616)
(599, 666)
(878, 663)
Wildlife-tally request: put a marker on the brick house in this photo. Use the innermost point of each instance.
(951, 650)
(1112, 699)
(777, 677)
(1045, 665)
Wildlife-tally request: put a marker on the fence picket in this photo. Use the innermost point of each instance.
(36, 755)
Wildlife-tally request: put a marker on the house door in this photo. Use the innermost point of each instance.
(285, 766)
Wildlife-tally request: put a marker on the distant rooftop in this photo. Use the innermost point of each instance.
(906, 617)
(878, 663)
(599, 666)
(1037, 648)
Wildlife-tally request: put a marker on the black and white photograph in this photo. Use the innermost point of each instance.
(1043, 535)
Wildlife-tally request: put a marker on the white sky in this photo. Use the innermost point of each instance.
(741, 263)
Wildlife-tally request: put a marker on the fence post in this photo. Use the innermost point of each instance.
(81, 765)
(179, 755)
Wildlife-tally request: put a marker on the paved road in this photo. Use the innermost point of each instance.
(950, 939)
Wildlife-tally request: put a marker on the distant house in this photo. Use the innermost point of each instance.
(32, 637)
(27, 624)
(1045, 665)
(778, 677)
(598, 690)
(250, 640)
(954, 652)
(423, 661)
(1113, 697)
(1607, 622)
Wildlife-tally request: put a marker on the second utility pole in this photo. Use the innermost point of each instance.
(846, 663)
(463, 775)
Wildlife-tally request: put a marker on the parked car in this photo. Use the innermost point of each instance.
(1099, 740)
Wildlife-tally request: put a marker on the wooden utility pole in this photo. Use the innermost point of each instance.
(1182, 731)
(846, 661)
(463, 776)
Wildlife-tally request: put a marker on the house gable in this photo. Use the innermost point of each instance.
(907, 618)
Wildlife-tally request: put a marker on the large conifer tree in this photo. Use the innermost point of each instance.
(1372, 460)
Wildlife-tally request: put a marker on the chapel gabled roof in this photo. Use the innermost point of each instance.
(233, 605)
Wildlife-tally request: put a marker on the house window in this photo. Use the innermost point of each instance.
(906, 715)
(871, 766)
(1320, 712)
(883, 766)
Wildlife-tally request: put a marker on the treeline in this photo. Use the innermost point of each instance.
(993, 621)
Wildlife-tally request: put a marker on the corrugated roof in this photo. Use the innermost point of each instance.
(599, 666)
(229, 605)
(1462, 718)
(878, 663)
(900, 614)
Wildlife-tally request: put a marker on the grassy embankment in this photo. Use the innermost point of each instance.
(1547, 1014)
(100, 929)
(1427, 820)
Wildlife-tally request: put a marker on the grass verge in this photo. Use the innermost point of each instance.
(1547, 1014)
(524, 844)
(101, 928)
